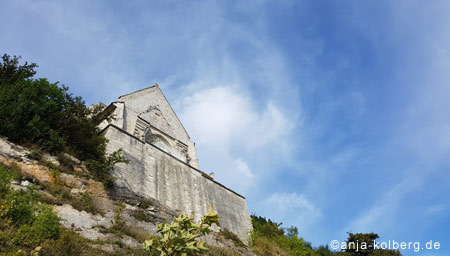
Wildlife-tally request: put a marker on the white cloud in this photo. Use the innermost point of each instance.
(293, 207)
(217, 115)
(227, 125)
(243, 169)
(224, 116)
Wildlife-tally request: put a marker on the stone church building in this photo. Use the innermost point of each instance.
(163, 161)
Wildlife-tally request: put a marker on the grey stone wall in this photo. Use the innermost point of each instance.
(154, 173)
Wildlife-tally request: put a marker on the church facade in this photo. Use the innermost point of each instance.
(163, 161)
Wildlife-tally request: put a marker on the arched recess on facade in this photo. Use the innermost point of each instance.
(157, 140)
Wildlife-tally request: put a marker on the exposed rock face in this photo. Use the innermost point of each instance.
(98, 225)
(89, 225)
(163, 162)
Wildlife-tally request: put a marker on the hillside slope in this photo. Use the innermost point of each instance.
(113, 221)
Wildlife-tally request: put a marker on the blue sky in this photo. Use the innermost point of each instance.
(332, 116)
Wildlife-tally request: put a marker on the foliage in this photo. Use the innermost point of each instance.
(37, 230)
(6, 175)
(25, 221)
(101, 167)
(361, 244)
(269, 238)
(66, 164)
(15, 207)
(291, 232)
(141, 215)
(324, 251)
(120, 228)
(83, 202)
(60, 194)
(355, 241)
(35, 154)
(179, 238)
(231, 236)
(11, 72)
(68, 243)
(267, 228)
(118, 223)
(385, 252)
(45, 225)
(145, 203)
(214, 251)
(35, 111)
(265, 246)
(34, 252)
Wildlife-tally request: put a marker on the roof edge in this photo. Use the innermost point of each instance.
(155, 85)
(175, 113)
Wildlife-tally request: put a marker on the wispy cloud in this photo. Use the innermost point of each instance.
(227, 125)
(293, 209)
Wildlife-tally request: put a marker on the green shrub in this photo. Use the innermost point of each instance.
(109, 182)
(214, 251)
(263, 246)
(118, 223)
(232, 236)
(44, 226)
(84, 202)
(324, 251)
(269, 238)
(26, 222)
(35, 111)
(180, 237)
(101, 167)
(141, 215)
(119, 243)
(62, 195)
(68, 243)
(6, 176)
(35, 154)
(145, 203)
(17, 207)
(55, 188)
(267, 228)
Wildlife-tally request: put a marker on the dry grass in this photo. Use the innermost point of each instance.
(264, 247)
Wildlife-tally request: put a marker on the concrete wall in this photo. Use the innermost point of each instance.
(156, 174)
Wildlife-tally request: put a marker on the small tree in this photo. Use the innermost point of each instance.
(11, 72)
(179, 238)
(362, 244)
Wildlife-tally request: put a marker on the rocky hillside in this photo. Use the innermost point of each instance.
(114, 220)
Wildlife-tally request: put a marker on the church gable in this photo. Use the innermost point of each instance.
(155, 117)
(150, 107)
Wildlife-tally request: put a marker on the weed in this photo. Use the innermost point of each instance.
(145, 203)
(215, 251)
(231, 236)
(35, 154)
(141, 215)
(109, 182)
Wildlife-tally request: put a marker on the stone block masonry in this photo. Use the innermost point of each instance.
(154, 173)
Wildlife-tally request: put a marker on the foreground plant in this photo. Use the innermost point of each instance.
(179, 238)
